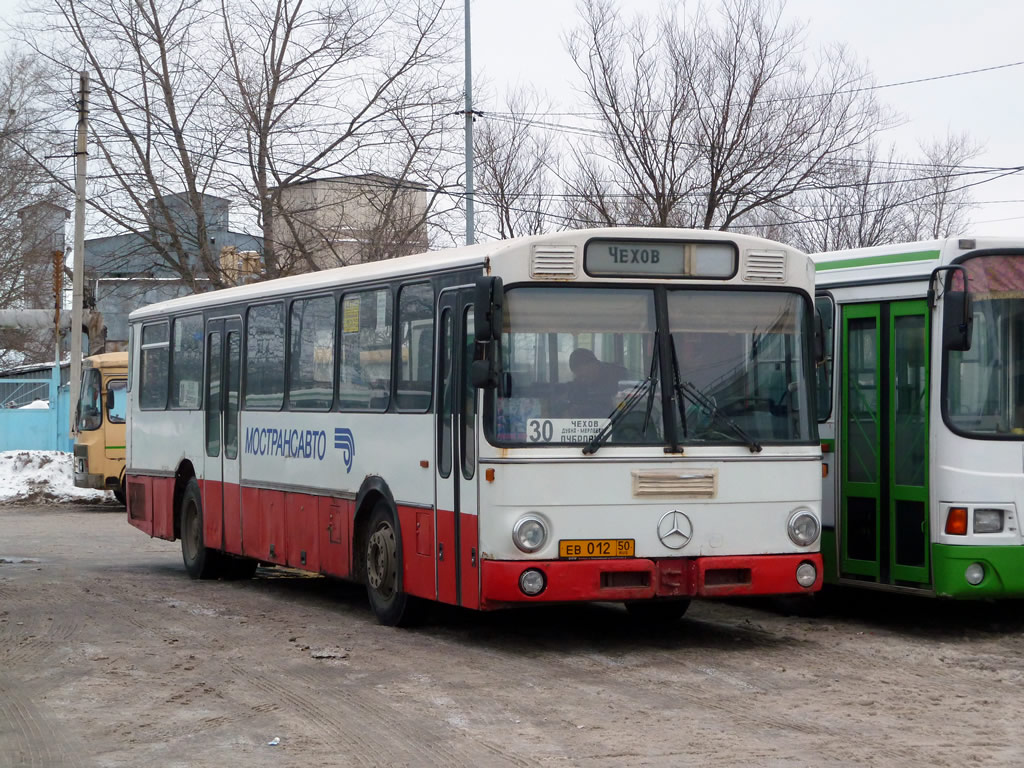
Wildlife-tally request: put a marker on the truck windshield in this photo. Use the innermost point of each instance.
(583, 362)
(985, 385)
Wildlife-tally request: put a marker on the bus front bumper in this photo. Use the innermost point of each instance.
(86, 480)
(639, 579)
(1003, 571)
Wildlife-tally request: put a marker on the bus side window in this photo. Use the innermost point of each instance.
(117, 401)
(264, 357)
(153, 374)
(311, 362)
(187, 361)
(823, 373)
(364, 375)
(416, 359)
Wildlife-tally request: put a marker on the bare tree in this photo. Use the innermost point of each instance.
(343, 88)
(31, 216)
(513, 162)
(872, 200)
(942, 204)
(863, 203)
(196, 99)
(703, 124)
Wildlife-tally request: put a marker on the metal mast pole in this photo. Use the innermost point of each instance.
(78, 262)
(469, 136)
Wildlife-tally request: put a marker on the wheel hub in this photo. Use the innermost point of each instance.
(381, 572)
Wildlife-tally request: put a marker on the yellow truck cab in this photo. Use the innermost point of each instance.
(100, 423)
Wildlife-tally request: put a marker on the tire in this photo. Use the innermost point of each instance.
(201, 562)
(119, 494)
(662, 613)
(391, 606)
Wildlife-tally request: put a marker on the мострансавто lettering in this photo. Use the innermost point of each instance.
(289, 443)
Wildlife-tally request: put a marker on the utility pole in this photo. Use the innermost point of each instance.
(469, 136)
(58, 295)
(78, 263)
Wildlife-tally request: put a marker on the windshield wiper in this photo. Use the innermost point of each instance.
(689, 390)
(636, 394)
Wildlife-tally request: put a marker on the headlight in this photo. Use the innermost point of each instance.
(529, 534)
(532, 582)
(806, 574)
(803, 528)
(975, 574)
(988, 520)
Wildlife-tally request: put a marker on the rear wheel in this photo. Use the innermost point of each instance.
(201, 562)
(393, 607)
(658, 612)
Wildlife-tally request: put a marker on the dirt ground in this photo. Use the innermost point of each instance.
(111, 656)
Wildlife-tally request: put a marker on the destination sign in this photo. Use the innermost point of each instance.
(659, 258)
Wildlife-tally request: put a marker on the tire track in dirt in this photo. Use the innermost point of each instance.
(374, 707)
(29, 735)
(362, 751)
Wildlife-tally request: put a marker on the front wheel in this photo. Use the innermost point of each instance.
(201, 562)
(660, 613)
(392, 606)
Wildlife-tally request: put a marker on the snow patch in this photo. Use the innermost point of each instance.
(35, 476)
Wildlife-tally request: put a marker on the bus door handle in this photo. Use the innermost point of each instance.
(440, 550)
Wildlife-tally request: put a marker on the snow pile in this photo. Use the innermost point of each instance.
(42, 476)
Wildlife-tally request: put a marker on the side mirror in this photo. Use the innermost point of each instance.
(483, 374)
(488, 309)
(957, 321)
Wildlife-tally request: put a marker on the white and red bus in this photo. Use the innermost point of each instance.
(602, 415)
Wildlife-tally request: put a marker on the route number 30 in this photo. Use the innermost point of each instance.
(540, 431)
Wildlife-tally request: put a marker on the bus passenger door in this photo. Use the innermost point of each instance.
(222, 522)
(455, 453)
(884, 464)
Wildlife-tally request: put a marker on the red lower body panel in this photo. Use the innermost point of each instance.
(638, 579)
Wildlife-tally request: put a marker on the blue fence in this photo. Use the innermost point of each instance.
(38, 429)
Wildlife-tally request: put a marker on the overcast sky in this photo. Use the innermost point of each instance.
(520, 42)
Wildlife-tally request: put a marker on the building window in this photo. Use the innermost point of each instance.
(264, 357)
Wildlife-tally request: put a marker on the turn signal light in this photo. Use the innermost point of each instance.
(956, 521)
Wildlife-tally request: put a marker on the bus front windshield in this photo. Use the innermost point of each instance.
(582, 362)
(985, 384)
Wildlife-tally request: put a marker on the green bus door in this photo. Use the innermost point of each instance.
(884, 464)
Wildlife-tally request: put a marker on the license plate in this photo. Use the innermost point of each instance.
(580, 548)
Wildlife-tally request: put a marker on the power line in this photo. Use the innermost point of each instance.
(802, 97)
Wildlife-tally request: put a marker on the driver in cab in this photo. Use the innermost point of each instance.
(595, 384)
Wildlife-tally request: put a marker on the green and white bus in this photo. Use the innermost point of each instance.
(921, 411)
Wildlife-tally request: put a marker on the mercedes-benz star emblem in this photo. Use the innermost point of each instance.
(675, 529)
